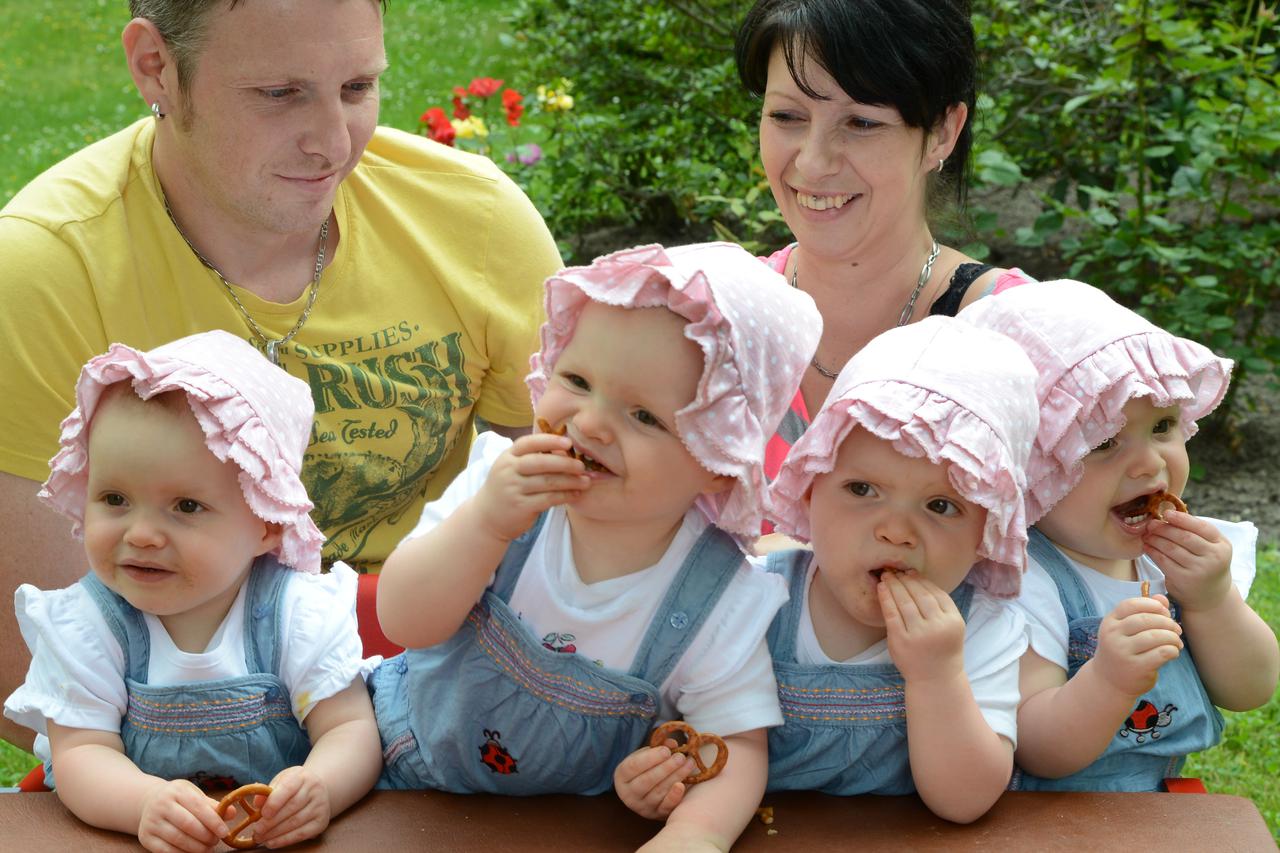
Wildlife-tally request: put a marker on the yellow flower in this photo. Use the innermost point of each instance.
(469, 128)
(557, 99)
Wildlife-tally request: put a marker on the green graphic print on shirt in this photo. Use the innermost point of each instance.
(389, 409)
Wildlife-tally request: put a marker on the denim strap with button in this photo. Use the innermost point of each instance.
(508, 572)
(793, 566)
(267, 580)
(1076, 600)
(126, 623)
(702, 579)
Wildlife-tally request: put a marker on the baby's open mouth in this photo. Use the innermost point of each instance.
(587, 461)
(575, 453)
(877, 573)
(1134, 511)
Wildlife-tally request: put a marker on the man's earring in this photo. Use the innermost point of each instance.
(155, 110)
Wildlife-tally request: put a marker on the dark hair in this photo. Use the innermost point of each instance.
(182, 26)
(915, 55)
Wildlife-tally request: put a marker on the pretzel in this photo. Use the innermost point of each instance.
(1159, 499)
(692, 742)
(242, 799)
(545, 426)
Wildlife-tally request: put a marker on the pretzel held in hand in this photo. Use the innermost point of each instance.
(1159, 499)
(545, 426)
(692, 742)
(242, 799)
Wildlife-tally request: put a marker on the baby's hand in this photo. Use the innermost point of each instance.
(925, 630)
(178, 816)
(297, 809)
(1134, 641)
(1195, 558)
(533, 475)
(649, 780)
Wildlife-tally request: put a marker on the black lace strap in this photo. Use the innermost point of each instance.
(948, 304)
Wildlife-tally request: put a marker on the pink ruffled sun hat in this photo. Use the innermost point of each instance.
(1093, 356)
(756, 333)
(940, 389)
(252, 413)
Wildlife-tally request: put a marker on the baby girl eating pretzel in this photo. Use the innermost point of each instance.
(570, 591)
(1121, 578)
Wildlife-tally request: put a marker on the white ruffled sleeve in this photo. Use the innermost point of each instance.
(76, 677)
(995, 639)
(1243, 536)
(321, 648)
(724, 683)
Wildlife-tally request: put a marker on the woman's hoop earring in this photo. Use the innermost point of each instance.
(155, 110)
(941, 163)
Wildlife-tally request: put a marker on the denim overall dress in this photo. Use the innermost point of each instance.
(844, 728)
(492, 710)
(1170, 720)
(219, 734)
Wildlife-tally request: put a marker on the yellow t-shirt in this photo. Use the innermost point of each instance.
(425, 318)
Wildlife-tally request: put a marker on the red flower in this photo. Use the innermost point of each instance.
(511, 101)
(460, 110)
(438, 126)
(483, 87)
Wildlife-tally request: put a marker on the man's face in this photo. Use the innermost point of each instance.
(282, 101)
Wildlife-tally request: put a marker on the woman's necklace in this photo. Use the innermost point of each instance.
(907, 310)
(271, 346)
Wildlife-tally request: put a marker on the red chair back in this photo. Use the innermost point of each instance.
(375, 642)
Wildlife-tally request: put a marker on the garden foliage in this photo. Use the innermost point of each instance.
(1151, 131)
(1144, 134)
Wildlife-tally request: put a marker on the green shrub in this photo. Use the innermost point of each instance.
(1148, 130)
(661, 141)
(1152, 129)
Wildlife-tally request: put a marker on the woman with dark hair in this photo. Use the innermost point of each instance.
(865, 127)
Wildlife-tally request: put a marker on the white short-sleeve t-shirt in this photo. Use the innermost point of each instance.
(724, 681)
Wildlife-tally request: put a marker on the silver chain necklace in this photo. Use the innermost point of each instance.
(271, 345)
(907, 310)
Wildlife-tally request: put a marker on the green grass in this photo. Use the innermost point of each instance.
(63, 74)
(1247, 762)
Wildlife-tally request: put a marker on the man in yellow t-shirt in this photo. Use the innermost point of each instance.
(262, 164)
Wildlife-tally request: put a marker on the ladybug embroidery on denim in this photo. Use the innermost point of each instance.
(212, 784)
(1145, 719)
(557, 642)
(495, 755)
